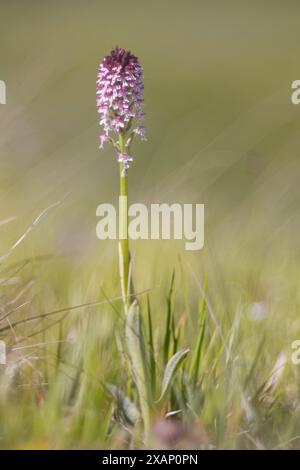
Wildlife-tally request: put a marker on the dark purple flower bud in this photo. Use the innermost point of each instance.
(120, 100)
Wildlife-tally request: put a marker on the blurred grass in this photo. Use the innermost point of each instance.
(221, 131)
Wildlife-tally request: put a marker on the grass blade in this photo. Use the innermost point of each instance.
(196, 357)
(151, 348)
(169, 321)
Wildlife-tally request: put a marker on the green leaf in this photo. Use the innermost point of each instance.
(170, 371)
(126, 406)
(135, 342)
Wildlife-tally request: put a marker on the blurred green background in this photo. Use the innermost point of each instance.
(221, 126)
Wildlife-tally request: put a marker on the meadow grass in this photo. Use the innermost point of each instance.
(68, 383)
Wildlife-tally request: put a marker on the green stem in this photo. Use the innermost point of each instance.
(124, 255)
(134, 328)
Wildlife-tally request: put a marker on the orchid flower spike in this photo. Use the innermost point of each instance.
(120, 102)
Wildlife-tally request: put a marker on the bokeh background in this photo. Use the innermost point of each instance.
(221, 131)
(221, 126)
